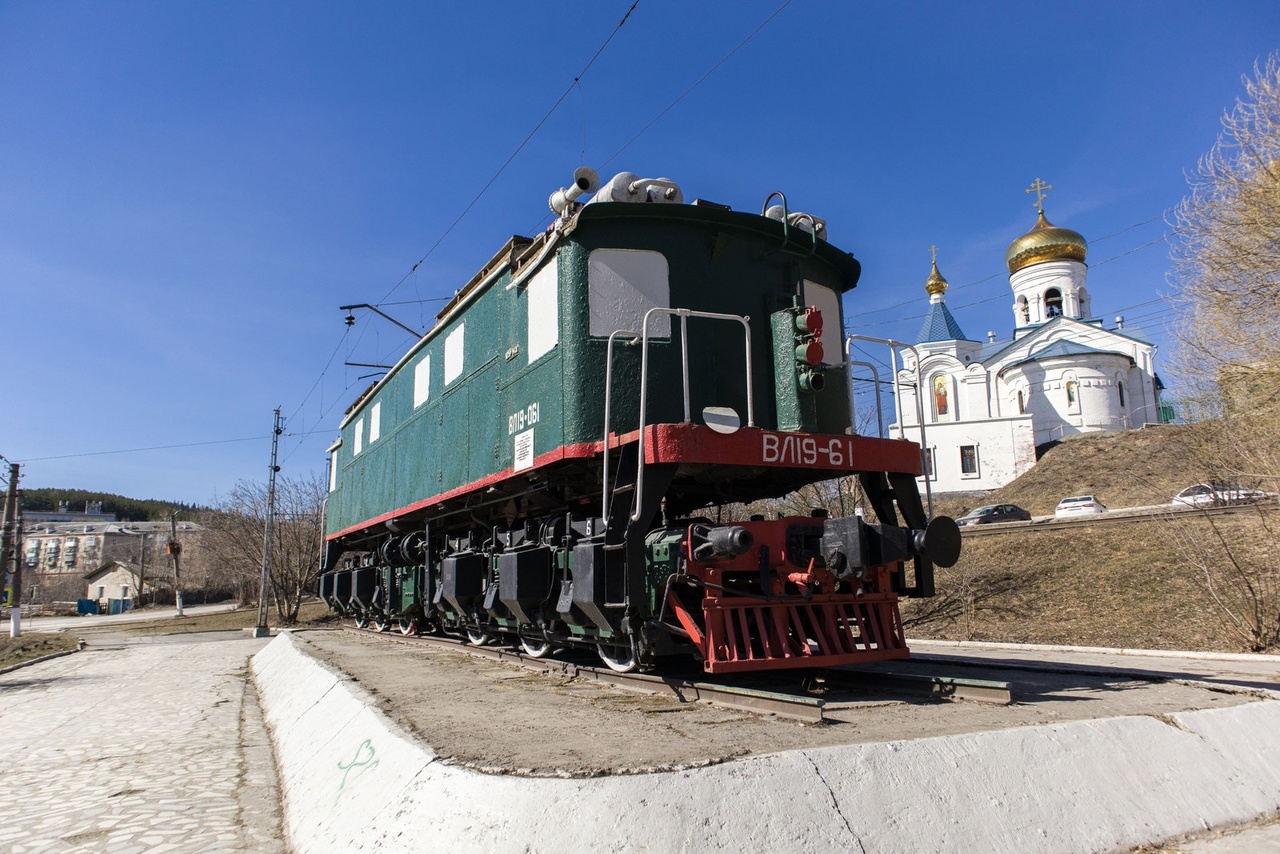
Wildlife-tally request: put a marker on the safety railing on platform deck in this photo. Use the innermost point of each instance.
(897, 397)
(684, 314)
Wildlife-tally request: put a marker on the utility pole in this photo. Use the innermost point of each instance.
(174, 548)
(262, 631)
(9, 553)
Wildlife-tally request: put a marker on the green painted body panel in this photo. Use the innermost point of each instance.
(463, 436)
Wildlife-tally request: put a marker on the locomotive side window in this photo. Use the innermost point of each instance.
(453, 354)
(828, 302)
(422, 381)
(333, 471)
(623, 285)
(375, 422)
(542, 296)
(359, 428)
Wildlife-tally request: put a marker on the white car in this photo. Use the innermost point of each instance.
(1079, 505)
(1217, 495)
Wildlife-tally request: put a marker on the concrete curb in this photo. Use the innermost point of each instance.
(353, 781)
(50, 657)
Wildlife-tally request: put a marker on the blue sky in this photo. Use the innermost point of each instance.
(188, 191)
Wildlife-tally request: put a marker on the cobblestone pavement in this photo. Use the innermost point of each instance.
(146, 744)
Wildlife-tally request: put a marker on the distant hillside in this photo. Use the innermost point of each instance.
(1123, 585)
(1121, 468)
(125, 508)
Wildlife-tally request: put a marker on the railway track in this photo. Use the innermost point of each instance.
(793, 698)
(1111, 517)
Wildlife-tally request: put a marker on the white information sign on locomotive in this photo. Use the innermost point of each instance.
(821, 451)
(524, 450)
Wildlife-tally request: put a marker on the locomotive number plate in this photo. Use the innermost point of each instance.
(522, 418)
(824, 451)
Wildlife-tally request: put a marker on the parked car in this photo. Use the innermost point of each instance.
(1217, 495)
(994, 513)
(1079, 505)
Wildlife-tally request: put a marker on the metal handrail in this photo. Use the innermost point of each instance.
(897, 399)
(683, 314)
(608, 402)
(875, 376)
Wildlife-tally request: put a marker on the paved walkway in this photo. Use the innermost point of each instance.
(147, 744)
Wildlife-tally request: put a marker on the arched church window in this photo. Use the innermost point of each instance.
(1120, 386)
(1052, 302)
(1072, 398)
(1022, 404)
(940, 403)
(1024, 311)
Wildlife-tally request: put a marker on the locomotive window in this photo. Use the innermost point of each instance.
(453, 354)
(375, 422)
(542, 296)
(828, 302)
(623, 285)
(422, 381)
(333, 471)
(359, 436)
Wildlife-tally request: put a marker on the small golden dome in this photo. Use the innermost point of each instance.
(1045, 242)
(935, 284)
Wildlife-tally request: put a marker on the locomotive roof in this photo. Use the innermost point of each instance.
(521, 251)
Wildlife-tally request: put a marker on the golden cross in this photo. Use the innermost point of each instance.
(933, 252)
(1038, 187)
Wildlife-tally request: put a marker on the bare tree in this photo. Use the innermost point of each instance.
(1226, 271)
(235, 538)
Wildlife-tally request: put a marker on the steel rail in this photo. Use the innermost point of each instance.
(806, 709)
(939, 687)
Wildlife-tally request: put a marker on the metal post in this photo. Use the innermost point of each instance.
(261, 631)
(9, 553)
(175, 548)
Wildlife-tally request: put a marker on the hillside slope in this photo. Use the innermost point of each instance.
(1122, 468)
(1140, 584)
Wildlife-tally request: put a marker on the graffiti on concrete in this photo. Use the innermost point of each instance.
(366, 759)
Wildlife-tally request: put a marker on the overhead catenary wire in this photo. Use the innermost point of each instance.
(515, 153)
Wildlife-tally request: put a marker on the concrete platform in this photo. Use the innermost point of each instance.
(353, 780)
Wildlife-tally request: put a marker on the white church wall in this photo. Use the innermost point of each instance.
(1001, 449)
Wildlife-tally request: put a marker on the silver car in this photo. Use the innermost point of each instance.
(1079, 505)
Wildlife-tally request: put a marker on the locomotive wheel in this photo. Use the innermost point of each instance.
(381, 623)
(478, 638)
(409, 627)
(625, 664)
(537, 648)
(362, 622)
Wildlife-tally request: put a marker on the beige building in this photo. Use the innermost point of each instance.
(58, 556)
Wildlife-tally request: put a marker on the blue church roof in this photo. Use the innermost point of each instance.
(939, 325)
(1064, 347)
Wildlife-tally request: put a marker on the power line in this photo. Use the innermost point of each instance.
(697, 82)
(515, 153)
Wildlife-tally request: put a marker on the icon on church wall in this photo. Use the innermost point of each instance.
(940, 394)
(1071, 393)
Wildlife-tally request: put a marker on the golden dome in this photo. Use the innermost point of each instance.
(935, 284)
(1045, 242)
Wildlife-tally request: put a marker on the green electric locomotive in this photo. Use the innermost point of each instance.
(552, 464)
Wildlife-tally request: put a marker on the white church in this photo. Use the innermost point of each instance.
(987, 406)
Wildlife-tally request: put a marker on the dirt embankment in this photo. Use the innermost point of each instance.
(1141, 584)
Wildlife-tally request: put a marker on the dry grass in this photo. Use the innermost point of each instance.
(1118, 585)
(310, 614)
(30, 646)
